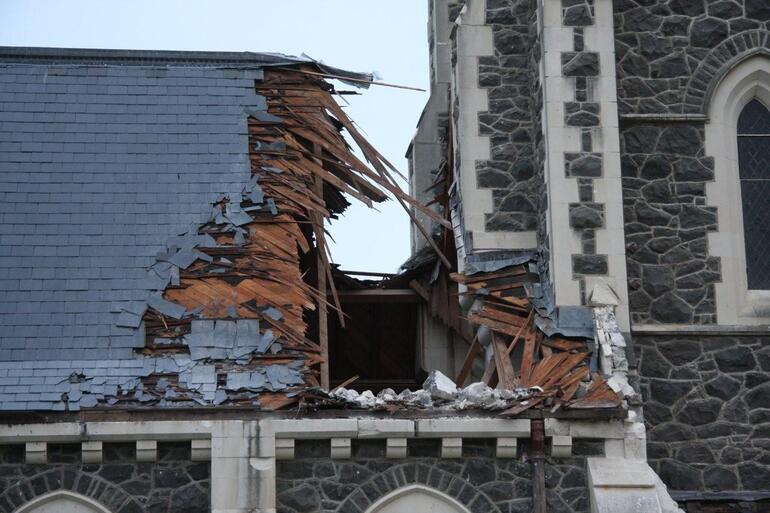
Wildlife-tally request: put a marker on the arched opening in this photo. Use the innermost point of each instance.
(741, 297)
(62, 502)
(754, 171)
(414, 499)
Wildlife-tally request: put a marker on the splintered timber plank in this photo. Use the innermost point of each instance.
(523, 328)
(468, 362)
(563, 368)
(563, 344)
(600, 395)
(490, 374)
(528, 354)
(505, 373)
(490, 312)
(265, 271)
(494, 324)
(483, 277)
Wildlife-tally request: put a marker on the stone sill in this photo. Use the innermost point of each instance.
(696, 329)
(665, 117)
(740, 495)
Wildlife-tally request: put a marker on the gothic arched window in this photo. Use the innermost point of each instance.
(754, 168)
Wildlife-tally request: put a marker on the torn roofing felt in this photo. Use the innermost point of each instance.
(157, 207)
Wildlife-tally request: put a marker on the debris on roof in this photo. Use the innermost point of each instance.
(507, 317)
(236, 288)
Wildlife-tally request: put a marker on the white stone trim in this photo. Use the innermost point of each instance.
(91, 451)
(472, 428)
(736, 304)
(451, 447)
(619, 485)
(66, 495)
(340, 448)
(561, 446)
(200, 450)
(475, 39)
(244, 453)
(395, 448)
(415, 489)
(36, 452)
(146, 450)
(506, 447)
(560, 139)
(284, 448)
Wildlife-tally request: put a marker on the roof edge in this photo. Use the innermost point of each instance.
(123, 57)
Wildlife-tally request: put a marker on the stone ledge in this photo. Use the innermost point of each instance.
(697, 329)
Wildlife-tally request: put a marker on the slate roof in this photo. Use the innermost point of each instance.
(104, 156)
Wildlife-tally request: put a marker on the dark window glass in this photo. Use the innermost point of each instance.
(754, 165)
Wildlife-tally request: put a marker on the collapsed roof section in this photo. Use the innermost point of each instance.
(548, 358)
(251, 283)
(247, 153)
(128, 308)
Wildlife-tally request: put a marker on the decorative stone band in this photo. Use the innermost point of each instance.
(243, 453)
(585, 114)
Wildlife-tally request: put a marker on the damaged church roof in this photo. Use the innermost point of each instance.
(153, 204)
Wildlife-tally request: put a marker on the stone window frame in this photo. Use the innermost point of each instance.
(416, 491)
(748, 80)
(63, 499)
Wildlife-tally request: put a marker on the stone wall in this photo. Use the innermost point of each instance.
(120, 483)
(484, 484)
(670, 54)
(511, 172)
(670, 273)
(534, 58)
(670, 51)
(707, 411)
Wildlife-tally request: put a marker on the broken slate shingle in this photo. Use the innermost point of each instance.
(166, 307)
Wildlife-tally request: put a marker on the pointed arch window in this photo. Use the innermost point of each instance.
(754, 173)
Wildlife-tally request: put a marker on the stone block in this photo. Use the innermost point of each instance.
(627, 500)
(506, 447)
(561, 446)
(586, 215)
(469, 427)
(36, 452)
(580, 64)
(395, 448)
(382, 428)
(91, 452)
(589, 264)
(200, 449)
(620, 472)
(451, 447)
(284, 448)
(340, 448)
(146, 450)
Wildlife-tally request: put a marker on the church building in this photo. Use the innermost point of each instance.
(583, 325)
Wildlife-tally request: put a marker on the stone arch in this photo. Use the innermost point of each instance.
(19, 497)
(398, 480)
(748, 79)
(416, 498)
(62, 502)
(718, 63)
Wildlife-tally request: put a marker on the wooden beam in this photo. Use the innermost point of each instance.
(379, 296)
(323, 318)
(468, 362)
(505, 374)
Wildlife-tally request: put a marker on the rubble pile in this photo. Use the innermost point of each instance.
(438, 392)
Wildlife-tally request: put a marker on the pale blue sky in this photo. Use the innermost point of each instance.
(388, 37)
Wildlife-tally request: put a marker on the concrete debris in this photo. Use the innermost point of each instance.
(475, 396)
(439, 386)
(612, 351)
